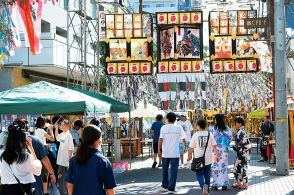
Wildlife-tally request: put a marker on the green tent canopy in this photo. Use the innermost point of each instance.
(45, 98)
(261, 113)
(116, 106)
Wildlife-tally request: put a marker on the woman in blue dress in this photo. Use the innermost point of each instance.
(223, 136)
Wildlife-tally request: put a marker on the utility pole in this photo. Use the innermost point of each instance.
(281, 113)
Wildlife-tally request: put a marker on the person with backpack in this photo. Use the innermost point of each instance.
(242, 148)
(202, 144)
(223, 136)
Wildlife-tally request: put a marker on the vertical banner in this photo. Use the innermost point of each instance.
(102, 28)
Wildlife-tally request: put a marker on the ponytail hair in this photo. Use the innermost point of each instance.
(90, 135)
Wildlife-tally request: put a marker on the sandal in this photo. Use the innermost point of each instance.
(243, 187)
(236, 185)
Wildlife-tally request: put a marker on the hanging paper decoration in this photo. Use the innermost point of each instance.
(238, 91)
(129, 42)
(230, 42)
(134, 68)
(7, 43)
(229, 65)
(179, 41)
(173, 18)
(251, 65)
(264, 55)
(240, 65)
(163, 67)
(174, 67)
(146, 68)
(123, 68)
(186, 66)
(112, 68)
(29, 13)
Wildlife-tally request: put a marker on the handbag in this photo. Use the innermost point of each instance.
(32, 190)
(198, 163)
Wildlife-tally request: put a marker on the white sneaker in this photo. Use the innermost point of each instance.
(205, 190)
(164, 189)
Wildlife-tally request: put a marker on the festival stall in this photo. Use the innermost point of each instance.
(45, 98)
(139, 129)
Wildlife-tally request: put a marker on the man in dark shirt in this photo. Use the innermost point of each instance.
(267, 129)
(42, 155)
(155, 132)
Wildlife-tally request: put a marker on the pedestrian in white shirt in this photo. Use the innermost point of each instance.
(187, 127)
(41, 133)
(18, 163)
(64, 155)
(169, 140)
(203, 139)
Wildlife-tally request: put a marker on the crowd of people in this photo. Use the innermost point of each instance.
(29, 162)
(171, 140)
(63, 157)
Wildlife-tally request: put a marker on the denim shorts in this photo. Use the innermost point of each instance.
(181, 146)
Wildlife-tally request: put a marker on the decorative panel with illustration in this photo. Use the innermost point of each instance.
(180, 43)
(230, 43)
(129, 44)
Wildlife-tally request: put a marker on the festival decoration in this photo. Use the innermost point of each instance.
(29, 14)
(129, 44)
(179, 42)
(230, 42)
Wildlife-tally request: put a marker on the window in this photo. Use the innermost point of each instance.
(159, 5)
(61, 32)
(45, 26)
(146, 6)
(173, 5)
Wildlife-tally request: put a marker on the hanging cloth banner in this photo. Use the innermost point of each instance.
(264, 55)
(26, 15)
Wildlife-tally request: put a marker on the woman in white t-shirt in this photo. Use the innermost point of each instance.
(197, 145)
(18, 163)
(41, 133)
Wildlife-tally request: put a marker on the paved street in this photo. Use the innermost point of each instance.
(142, 179)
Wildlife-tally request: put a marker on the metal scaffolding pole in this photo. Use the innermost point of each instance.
(281, 114)
(85, 46)
(82, 31)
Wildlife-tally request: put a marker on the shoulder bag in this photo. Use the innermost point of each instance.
(198, 163)
(31, 192)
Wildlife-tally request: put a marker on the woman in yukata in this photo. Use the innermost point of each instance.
(223, 136)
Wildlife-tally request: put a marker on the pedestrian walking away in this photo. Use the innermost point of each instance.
(187, 127)
(242, 148)
(169, 139)
(203, 144)
(223, 135)
(155, 133)
(89, 163)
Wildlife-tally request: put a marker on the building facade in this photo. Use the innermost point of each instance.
(51, 64)
(152, 6)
